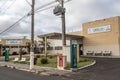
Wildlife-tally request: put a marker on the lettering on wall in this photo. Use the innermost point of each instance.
(13, 41)
(100, 29)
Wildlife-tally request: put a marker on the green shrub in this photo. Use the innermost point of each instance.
(85, 60)
(50, 57)
(38, 56)
(24, 53)
(67, 66)
(14, 53)
(44, 61)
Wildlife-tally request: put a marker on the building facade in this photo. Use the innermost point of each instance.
(98, 38)
(14, 45)
(102, 36)
(56, 46)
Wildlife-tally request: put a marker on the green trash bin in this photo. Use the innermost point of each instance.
(6, 54)
(73, 53)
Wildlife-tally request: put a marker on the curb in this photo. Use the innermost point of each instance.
(74, 70)
(102, 56)
(44, 72)
(24, 69)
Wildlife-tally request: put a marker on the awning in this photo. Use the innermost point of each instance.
(59, 36)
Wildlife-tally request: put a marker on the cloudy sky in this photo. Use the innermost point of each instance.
(77, 12)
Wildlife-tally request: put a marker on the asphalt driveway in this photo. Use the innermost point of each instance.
(104, 69)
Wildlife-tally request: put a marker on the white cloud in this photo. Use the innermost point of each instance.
(77, 12)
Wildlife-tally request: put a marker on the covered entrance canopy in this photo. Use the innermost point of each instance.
(59, 36)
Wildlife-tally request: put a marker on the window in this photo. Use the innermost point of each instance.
(58, 48)
(14, 46)
(22, 46)
(50, 48)
(5, 47)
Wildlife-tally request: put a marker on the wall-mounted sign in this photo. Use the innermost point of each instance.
(100, 29)
(74, 41)
(13, 41)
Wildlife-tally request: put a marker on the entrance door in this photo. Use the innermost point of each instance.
(81, 49)
(0, 51)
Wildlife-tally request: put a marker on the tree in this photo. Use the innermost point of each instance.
(28, 47)
(42, 46)
(21, 53)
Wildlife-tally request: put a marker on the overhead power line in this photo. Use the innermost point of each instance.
(11, 4)
(28, 2)
(45, 5)
(39, 9)
(44, 9)
(29, 13)
(8, 6)
(3, 4)
(13, 24)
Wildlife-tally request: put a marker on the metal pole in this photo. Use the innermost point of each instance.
(32, 36)
(63, 25)
(45, 46)
(63, 29)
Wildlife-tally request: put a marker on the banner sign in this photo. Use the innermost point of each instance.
(101, 29)
(13, 41)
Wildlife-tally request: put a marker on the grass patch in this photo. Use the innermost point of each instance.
(52, 62)
(83, 62)
(87, 62)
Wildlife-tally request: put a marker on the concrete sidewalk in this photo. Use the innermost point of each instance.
(37, 69)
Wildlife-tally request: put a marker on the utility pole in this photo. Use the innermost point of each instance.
(60, 10)
(32, 36)
(63, 25)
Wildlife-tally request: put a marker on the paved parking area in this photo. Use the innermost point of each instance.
(104, 69)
